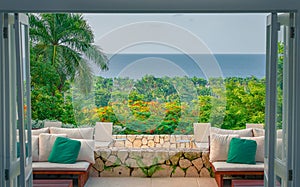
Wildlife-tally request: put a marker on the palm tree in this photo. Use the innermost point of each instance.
(66, 41)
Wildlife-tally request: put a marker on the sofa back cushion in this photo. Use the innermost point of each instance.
(46, 142)
(219, 146)
(76, 133)
(260, 151)
(86, 152)
(35, 148)
(241, 133)
(39, 131)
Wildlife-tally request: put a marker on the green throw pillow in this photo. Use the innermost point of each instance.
(64, 151)
(242, 151)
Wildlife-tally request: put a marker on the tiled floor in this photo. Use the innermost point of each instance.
(150, 182)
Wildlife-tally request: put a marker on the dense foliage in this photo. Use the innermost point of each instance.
(155, 106)
(61, 46)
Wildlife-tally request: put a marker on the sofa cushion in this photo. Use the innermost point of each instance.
(260, 151)
(64, 150)
(86, 152)
(242, 151)
(77, 133)
(35, 148)
(47, 166)
(46, 142)
(39, 131)
(219, 145)
(241, 133)
(224, 166)
(258, 132)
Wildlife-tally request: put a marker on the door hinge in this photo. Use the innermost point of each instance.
(290, 175)
(6, 172)
(5, 32)
(292, 30)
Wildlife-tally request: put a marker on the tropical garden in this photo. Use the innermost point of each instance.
(63, 88)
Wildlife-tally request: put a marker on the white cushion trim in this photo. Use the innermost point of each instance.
(224, 166)
(46, 166)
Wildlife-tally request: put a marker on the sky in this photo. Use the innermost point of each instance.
(176, 33)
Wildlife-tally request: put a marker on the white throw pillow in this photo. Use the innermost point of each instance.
(86, 152)
(260, 150)
(241, 133)
(35, 148)
(46, 142)
(219, 146)
(76, 133)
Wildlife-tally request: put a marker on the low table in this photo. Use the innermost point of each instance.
(246, 183)
(52, 183)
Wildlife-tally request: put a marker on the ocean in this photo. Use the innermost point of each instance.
(199, 65)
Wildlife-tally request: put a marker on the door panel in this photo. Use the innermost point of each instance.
(278, 141)
(15, 164)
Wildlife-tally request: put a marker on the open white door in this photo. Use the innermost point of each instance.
(15, 162)
(279, 81)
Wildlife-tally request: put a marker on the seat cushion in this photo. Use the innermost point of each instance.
(224, 166)
(47, 166)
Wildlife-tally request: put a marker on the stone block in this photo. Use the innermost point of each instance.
(184, 163)
(137, 172)
(144, 141)
(164, 171)
(167, 138)
(112, 160)
(166, 145)
(156, 138)
(131, 163)
(205, 159)
(137, 143)
(204, 172)
(99, 165)
(192, 155)
(121, 171)
(191, 172)
(151, 143)
(178, 172)
(198, 163)
(174, 159)
(128, 144)
(105, 153)
(135, 154)
(131, 138)
(122, 155)
(107, 173)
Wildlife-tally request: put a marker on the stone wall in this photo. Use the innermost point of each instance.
(150, 141)
(150, 162)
